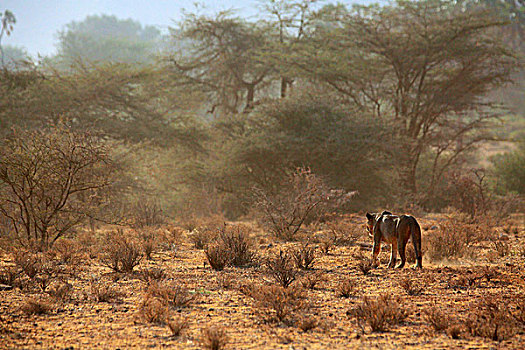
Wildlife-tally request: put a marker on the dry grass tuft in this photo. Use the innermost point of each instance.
(106, 292)
(214, 338)
(172, 293)
(281, 303)
(380, 313)
(411, 286)
(177, 325)
(346, 289)
(437, 319)
(153, 310)
(304, 256)
(36, 307)
(281, 268)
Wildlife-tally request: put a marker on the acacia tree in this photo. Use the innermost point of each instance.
(51, 181)
(425, 67)
(224, 57)
(7, 20)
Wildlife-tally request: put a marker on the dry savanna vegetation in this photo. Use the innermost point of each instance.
(208, 188)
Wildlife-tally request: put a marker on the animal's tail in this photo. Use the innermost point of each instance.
(415, 231)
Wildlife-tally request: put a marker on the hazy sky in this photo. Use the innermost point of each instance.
(38, 21)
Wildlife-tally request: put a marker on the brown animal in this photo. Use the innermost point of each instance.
(395, 230)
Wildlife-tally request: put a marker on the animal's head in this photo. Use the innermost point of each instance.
(370, 222)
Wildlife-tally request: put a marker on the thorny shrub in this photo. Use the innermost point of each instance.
(120, 251)
(154, 310)
(177, 325)
(281, 268)
(146, 213)
(449, 242)
(302, 199)
(148, 238)
(304, 256)
(152, 274)
(218, 256)
(311, 280)
(346, 289)
(202, 236)
(106, 292)
(343, 233)
(237, 242)
(61, 292)
(439, 320)
(411, 286)
(281, 303)
(491, 319)
(214, 338)
(171, 293)
(379, 313)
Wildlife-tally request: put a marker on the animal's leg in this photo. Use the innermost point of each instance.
(401, 245)
(376, 250)
(416, 241)
(393, 255)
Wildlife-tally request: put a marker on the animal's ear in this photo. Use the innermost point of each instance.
(386, 212)
(369, 216)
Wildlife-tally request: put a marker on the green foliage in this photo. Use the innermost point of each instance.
(103, 38)
(509, 170)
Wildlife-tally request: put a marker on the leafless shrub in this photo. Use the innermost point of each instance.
(303, 198)
(410, 286)
(202, 236)
(36, 307)
(214, 338)
(281, 268)
(365, 267)
(68, 252)
(9, 275)
(30, 263)
(501, 247)
(149, 240)
(61, 292)
(172, 293)
(279, 301)
(153, 310)
(380, 313)
(491, 319)
(121, 252)
(69, 173)
(146, 213)
(346, 289)
(236, 241)
(304, 256)
(308, 323)
(519, 311)
(449, 242)
(343, 233)
(439, 320)
(218, 256)
(152, 274)
(311, 280)
(105, 292)
(177, 325)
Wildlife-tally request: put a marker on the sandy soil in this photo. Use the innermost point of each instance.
(83, 323)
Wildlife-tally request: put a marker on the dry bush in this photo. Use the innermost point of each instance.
(30, 263)
(171, 293)
(9, 276)
(308, 323)
(519, 311)
(218, 256)
(439, 320)
(148, 238)
(411, 286)
(502, 248)
(281, 268)
(214, 338)
(68, 252)
(36, 306)
(177, 325)
(225, 281)
(454, 331)
(346, 289)
(281, 303)
(343, 232)
(311, 280)
(380, 313)
(449, 242)
(120, 251)
(154, 310)
(146, 213)
(152, 274)
(491, 319)
(61, 292)
(303, 198)
(106, 292)
(235, 239)
(365, 267)
(304, 256)
(202, 236)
